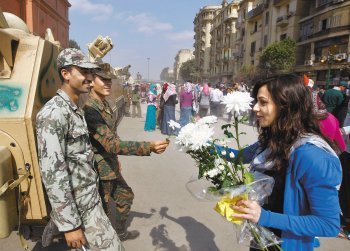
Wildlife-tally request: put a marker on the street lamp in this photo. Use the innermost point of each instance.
(148, 69)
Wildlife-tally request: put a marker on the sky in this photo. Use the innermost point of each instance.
(139, 29)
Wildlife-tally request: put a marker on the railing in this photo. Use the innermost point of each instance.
(259, 9)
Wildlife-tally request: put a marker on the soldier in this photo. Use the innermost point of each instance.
(107, 145)
(67, 162)
(127, 99)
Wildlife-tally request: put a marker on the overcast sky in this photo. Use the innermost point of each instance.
(139, 29)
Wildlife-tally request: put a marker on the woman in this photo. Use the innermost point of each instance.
(169, 102)
(150, 123)
(204, 101)
(291, 148)
(186, 99)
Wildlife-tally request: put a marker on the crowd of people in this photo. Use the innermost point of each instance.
(195, 101)
(302, 144)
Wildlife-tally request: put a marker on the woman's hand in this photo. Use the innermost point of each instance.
(250, 210)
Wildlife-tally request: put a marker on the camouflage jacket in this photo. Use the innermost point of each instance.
(105, 141)
(66, 161)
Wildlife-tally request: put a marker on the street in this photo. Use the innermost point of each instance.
(165, 213)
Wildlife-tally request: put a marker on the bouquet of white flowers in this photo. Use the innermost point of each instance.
(222, 174)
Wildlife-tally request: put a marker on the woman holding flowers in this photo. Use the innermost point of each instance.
(304, 202)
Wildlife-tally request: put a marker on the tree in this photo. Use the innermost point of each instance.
(247, 74)
(278, 57)
(189, 70)
(164, 74)
(73, 44)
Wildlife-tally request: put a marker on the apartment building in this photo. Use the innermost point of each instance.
(40, 15)
(221, 66)
(181, 57)
(203, 23)
(324, 41)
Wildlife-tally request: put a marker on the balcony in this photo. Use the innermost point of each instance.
(231, 16)
(279, 2)
(282, 21)
(258, 10)
(329, 31)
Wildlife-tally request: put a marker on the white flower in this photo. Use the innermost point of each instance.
(237, 102)
(232, 155)
(207, 120)
(173, 124)
(194, 137)
(223, 152)
(212, 173)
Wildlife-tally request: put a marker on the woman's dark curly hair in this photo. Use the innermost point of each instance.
(295, 116)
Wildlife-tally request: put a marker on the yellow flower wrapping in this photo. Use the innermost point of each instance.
(223, 208)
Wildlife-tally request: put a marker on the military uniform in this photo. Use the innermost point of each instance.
(136, 104)
(67, 169)
(127, 99)
(107, 146)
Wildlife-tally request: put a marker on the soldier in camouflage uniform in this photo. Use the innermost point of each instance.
(127, 98)
(107, 145)
(67, 162)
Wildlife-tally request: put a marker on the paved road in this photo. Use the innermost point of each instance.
(167, 216)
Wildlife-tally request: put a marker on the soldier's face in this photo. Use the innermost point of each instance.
(101, 87)
(79, 79)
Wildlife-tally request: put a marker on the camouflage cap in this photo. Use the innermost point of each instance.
(72, 56)
(104, 74)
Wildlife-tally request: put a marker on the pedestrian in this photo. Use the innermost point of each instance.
(215, 99)
(67, 162)
(329, 124)
(136, 102)
(169, 97)
(107, 146)
(204, 101)
(150, 123)
(291, 148)
(186, 99)
(333, 98)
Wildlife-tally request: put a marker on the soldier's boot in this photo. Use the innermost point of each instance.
(124, 234)
(50, 232)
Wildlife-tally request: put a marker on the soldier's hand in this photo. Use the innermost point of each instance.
(159, 146)
(75, 238)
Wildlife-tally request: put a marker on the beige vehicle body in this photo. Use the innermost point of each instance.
(28, 79)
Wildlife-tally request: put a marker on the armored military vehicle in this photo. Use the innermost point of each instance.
(28, 79)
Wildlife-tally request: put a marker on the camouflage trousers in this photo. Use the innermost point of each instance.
(99, 232)
(123, 197)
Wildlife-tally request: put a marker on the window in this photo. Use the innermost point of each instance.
(255, 27)
(252, 47)
(267, 17)
(265, 40)
(283, 37)
(323, 24)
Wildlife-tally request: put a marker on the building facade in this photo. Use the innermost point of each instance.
(203, 23)
(40, 15)
(324, 41)
(321, 29)
(181, 57)
(221, 66)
